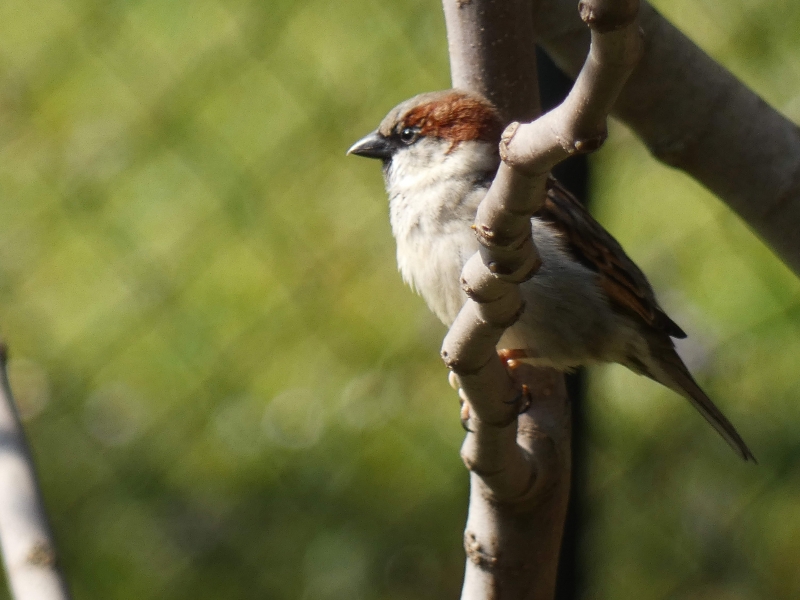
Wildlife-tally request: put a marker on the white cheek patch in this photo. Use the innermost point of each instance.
(432, 161)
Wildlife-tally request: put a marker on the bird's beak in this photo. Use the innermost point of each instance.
(373, 145)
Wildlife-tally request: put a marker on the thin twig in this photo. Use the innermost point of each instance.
(520, 469)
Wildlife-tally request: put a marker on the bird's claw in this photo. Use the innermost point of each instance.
(465, 416)
(522, 399)
(511, 358)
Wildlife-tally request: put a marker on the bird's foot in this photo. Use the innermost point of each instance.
(509, 354)
(464, 414)
(511, 358)
(522, 400)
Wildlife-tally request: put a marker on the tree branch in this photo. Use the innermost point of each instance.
(29, 552)
(694, 115)
(488, 53)
(520, 470)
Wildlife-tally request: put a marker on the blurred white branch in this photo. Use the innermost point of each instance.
(29, 552)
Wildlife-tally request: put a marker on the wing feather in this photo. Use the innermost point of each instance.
(595, 248)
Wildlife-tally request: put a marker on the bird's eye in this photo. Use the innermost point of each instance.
(409, 135)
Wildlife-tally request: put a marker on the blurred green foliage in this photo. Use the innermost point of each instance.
(228, 389)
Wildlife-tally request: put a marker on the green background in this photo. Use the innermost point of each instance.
(229, 392)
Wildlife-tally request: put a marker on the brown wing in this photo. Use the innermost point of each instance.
(592, 246)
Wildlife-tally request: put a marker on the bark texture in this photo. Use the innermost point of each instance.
(29, 552)
(520, 466)
(694, 115)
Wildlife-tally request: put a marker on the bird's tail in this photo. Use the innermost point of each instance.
(687, 387)
(676, 376)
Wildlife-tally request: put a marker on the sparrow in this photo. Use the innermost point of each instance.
(588, 302)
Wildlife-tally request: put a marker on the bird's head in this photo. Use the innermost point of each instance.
(447, 134)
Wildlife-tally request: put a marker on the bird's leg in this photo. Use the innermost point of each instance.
(511, 358)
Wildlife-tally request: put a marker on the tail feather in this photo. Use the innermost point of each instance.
(688, 388)
(675, 375)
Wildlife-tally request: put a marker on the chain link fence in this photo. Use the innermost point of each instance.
(229, 391)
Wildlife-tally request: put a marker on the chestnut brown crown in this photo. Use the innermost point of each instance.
(452, 115)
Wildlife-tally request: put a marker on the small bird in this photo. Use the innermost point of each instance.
(588, 302)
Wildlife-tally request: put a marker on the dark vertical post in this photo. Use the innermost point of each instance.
(574, 174)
